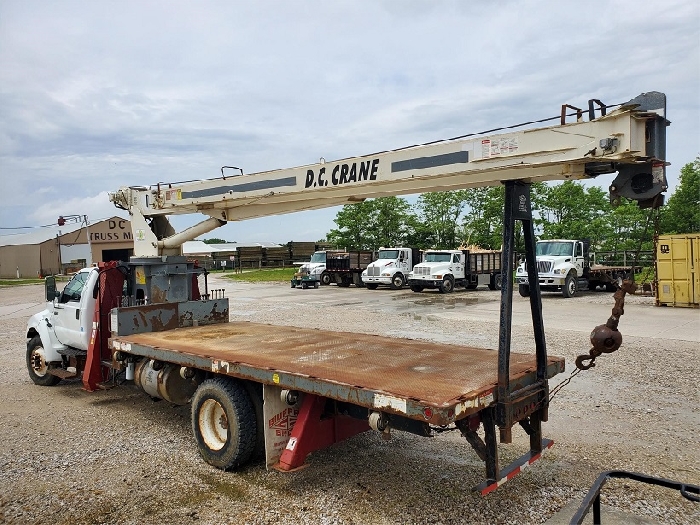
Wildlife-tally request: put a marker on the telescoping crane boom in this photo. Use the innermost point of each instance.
(630, 140)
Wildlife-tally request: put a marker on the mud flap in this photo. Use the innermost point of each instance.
(278, 421)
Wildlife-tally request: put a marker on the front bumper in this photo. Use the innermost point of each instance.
(545, 280)
(425, 283)
(376, 280)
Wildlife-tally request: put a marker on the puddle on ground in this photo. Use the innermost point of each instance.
(442, 302)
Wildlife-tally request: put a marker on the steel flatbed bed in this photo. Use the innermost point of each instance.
(432, 382)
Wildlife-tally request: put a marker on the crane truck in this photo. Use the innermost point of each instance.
(285, 392)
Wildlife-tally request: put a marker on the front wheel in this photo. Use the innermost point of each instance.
(447, 285)
(570, 285)
(224, 423)
(325, 278)
(397, 281)
(37, 366)
(524, 290)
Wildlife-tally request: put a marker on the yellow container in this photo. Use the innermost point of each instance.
(678, 270)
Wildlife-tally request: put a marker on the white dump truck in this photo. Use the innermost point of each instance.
(445, 269)
(391, 268)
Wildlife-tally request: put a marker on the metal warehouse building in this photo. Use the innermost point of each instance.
(61, 249)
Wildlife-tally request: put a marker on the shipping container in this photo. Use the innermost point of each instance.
(678, 270)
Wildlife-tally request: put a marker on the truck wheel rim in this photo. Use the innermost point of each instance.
(213, 424)
(39, 362)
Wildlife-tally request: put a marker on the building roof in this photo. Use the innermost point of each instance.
(198, 248)
(38, 236)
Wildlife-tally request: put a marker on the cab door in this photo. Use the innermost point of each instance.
(404, 259)
(457, 266)
(578, 258)
(69, 319)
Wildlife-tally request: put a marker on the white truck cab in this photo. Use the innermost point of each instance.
(315, 267)
(64, 327)
(441, 269)
(391, 268)
(560, 264)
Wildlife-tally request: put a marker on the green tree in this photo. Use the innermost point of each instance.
(372, 223)
(390, 222)
(628, 229)
(570, 211)
(682, 212)
(439, 212)
(214, 241)
(483, 218)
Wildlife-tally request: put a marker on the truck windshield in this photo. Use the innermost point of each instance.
(555, 248)
(318, 257)
(388, 254)
(437, 257)
(74, 288)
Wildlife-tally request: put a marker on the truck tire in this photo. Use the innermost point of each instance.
(447, 285)
(416, 288)
(325, 278)
(496, 282)
(224, 423)
(371, 286)
(37, 366)
(524, 290)
(570, 285)
(397, 281)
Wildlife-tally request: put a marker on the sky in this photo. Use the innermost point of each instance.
(99, 95)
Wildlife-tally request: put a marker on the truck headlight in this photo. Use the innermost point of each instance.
(436, 276)
(521, 269)
(386, 274)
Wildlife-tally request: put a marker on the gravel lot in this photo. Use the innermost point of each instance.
(70, 457)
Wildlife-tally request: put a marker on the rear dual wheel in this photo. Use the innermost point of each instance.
(224, 423)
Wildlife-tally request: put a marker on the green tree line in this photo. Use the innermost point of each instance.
(568, 210)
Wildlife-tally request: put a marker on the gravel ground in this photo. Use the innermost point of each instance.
(69, 457)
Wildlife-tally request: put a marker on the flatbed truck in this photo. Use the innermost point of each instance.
(286, 391)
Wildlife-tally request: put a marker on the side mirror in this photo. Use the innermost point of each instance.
(50, 286)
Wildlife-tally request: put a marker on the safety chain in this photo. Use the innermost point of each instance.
(561, 385)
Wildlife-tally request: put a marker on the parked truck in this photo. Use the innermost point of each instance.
(565, 265)
(391, 268)
(345, 268)
(284, 391)
(446, 269)
(309, 273)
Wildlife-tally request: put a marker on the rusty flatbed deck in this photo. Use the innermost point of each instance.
(402, 376)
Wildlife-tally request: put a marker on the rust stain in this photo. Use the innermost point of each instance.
(436, 374)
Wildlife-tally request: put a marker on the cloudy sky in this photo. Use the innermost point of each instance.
(98, 95)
